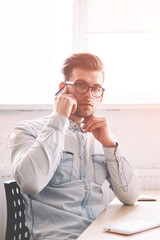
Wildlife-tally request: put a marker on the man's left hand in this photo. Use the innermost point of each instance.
(98, 126)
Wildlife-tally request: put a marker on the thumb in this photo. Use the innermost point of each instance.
(65, 90)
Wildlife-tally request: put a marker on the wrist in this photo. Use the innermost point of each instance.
(110, 143)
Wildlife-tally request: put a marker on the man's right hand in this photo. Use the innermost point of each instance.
(65, 104)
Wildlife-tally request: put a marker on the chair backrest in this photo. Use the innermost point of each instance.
(16, 228)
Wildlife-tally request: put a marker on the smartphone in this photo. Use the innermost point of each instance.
(131, 227)
(60, 91)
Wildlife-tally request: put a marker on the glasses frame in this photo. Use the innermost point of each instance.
(74, 83)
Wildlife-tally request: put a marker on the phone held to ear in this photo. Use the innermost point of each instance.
(60, 91)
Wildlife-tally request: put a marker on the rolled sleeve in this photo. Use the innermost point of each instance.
(122, 177)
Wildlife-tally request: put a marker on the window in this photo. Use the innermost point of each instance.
(35, 38)
(126, 36)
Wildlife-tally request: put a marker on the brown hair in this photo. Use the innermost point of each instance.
(81, 60)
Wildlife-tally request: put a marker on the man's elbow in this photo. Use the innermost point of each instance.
(131, 196)
(29, 187)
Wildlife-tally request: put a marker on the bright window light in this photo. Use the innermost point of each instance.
(132, 62)
(35, 38)
(126, 36)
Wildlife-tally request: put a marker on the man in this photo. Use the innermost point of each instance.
(61, 161)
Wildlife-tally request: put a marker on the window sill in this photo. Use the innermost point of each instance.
(49, 107)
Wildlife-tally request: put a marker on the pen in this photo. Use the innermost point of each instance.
(59, 92)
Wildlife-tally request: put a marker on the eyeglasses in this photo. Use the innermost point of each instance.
(82, 88)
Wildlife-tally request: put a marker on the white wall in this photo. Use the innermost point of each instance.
(137, 131)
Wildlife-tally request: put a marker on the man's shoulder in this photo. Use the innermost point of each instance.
(28, 128)
(39, 120)
(35, 124)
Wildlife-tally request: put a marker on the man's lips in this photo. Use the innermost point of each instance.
(86, 104)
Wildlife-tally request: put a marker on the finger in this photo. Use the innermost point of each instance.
(74, 108)
(65, 90)
(92, 118)
(94, 127)
(88, 118)
(92, 121)
(89, 126)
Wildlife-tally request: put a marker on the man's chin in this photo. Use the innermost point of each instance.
(83, 115)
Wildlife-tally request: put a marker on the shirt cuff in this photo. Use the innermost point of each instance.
(113, 153)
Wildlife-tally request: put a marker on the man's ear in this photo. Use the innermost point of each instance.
(61, 85)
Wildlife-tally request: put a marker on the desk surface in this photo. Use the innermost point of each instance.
(117, 212)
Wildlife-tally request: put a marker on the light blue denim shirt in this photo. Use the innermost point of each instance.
(60, 170)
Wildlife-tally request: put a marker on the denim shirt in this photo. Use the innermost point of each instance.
(60, 170)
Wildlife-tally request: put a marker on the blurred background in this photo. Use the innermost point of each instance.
(35, 38)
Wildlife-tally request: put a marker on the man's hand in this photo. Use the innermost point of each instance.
(98, 126)
(65, 104)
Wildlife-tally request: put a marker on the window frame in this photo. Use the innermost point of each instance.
(80, 45)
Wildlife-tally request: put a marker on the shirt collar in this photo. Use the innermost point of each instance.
(75, 127)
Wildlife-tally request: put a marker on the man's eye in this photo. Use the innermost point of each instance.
(97, 89)
(81, 85)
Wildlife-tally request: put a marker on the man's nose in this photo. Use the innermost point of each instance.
(89, 92)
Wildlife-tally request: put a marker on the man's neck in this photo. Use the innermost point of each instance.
(76, 119)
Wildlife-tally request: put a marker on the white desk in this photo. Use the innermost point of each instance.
(116, 212)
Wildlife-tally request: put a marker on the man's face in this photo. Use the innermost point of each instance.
(86, 104)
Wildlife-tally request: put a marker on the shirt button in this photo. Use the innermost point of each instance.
(122, 174)
(87, 187)
(81, 157)
(79, 138)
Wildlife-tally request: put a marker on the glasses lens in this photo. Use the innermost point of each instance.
(81, 87)
(97, 91)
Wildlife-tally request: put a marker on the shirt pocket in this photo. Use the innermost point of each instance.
(64, 170)
(100, 168)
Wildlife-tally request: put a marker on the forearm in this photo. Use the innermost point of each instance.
(123, 179)
(36, 159)
(34, 170)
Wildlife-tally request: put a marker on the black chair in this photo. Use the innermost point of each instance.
(16, 228)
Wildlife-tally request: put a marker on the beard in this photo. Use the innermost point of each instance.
(84, 113)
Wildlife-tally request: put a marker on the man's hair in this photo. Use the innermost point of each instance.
(81, 60)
